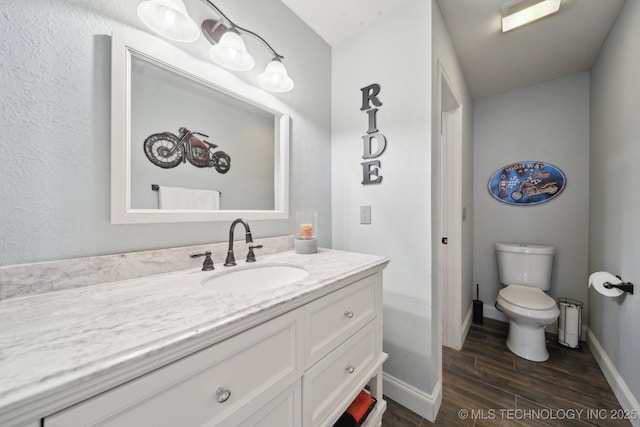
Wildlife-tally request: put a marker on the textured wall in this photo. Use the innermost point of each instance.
(615, 200)
(56, 119)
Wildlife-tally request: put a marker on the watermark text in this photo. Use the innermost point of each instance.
(548, 414)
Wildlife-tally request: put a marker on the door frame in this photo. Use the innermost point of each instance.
(450, 209)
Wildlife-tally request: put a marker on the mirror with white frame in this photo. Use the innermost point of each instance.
(236, 163)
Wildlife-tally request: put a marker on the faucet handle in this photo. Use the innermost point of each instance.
(208, 261)
(251, 257)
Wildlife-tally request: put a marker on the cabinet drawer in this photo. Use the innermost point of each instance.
(325, 384)
(254, 366)
(334, 318)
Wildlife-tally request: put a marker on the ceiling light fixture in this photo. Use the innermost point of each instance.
(517, 13)
(170, 19)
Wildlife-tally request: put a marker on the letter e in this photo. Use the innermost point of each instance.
(370, 169)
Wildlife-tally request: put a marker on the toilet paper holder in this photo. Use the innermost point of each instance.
(624, 287)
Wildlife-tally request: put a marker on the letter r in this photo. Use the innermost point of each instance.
(370, 94)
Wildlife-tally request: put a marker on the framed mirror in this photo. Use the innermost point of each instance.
(190, 141)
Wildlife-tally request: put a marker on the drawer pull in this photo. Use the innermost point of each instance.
(223, 395)
(348, 314)
(351, 369)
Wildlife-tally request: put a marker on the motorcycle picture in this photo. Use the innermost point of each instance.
(167, 150)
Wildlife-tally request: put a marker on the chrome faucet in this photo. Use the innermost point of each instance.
(231, 259)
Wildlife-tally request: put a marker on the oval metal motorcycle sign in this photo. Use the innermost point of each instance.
(526, 183)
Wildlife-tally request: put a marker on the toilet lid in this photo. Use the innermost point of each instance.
(527, 297)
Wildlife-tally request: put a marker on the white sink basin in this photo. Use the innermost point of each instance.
(256, 278)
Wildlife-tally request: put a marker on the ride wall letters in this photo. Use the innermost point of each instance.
(371, 168)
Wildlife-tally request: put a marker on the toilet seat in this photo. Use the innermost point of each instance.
(527, 297)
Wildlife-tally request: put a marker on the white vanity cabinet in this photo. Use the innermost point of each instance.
(302, 368)
(223, 385)
(343, 339)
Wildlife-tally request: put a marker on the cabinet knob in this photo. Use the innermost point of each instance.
(223, 394)
(351, 369)
(348, 314)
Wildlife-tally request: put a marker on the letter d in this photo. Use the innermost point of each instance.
(366, 140)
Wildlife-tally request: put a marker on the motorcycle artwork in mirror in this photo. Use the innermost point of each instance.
(167, 151)
(177, 122)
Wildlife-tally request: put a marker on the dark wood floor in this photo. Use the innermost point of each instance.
(484, 384)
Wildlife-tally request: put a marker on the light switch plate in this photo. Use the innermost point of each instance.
(365, 214)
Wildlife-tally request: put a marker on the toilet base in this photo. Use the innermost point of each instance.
(527, 342)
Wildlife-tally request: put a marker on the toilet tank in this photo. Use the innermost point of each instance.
(525, 265)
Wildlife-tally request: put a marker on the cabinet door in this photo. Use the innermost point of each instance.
(283, 411)
(252, 367)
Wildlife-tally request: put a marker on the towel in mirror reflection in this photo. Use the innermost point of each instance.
(188, 198)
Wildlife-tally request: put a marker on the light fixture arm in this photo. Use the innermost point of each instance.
(244, 30)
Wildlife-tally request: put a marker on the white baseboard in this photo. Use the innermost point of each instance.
(616, 382)
(424, 404)
(466, 324)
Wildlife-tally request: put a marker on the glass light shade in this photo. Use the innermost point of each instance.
(275, 77)
(169, 18)
(231, 52)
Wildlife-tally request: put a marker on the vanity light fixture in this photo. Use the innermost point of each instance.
(517, 13)
(275, 78)
(170, 19)
(231, 52)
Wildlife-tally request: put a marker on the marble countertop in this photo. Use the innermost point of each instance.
(63, 339)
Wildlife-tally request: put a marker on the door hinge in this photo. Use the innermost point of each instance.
(445, 241)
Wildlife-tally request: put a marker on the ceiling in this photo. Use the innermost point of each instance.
(562, 44)
(337, 20)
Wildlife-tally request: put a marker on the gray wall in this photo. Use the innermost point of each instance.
(55, 148)
(547, 122)
(615, 199)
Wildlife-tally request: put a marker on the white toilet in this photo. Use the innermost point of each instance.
(525, 270)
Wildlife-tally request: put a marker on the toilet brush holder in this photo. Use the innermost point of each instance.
(478, 307)
(477, 311)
